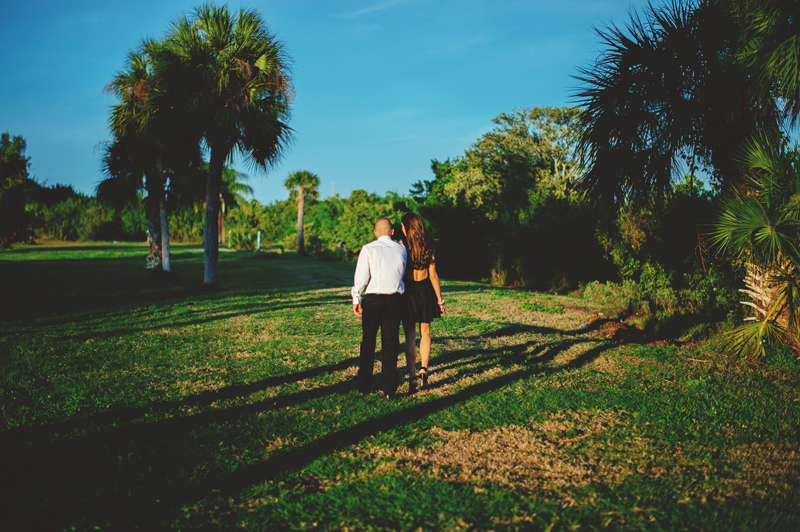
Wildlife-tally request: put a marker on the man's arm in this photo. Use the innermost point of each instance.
(360, 280)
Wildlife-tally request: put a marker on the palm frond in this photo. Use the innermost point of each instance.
(751, 340)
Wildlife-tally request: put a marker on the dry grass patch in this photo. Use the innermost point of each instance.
(529, 458)
(576, 449)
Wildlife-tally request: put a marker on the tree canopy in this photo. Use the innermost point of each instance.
(670, 92)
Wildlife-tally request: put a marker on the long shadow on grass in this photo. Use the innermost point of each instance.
(506, 356)
(26, 435)
(149, 500)
(106, 426)
(300, 457)
(501, 356)
(209, 315)
(511, 329)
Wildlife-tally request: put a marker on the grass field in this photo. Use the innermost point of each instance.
(133, 400)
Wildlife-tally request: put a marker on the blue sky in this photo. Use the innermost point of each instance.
(382, 86)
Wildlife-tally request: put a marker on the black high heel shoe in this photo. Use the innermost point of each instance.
(423, 371)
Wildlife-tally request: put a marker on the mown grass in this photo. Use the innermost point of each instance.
(132, 400)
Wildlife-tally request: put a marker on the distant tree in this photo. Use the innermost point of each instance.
(15, 189)
(557, 131)
(529, 151)
(235, 187)
(187, 194)
(484, 205)
(13, 162)
(231, 74)
(356, 219)
(304, 184)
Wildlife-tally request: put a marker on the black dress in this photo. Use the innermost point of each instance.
(421, 306)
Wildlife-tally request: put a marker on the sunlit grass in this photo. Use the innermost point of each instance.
(138, 399)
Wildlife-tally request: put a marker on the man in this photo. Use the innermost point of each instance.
(379, 276)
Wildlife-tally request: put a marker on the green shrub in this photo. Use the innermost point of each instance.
(242, 238)
(78, 217)
(186, 224)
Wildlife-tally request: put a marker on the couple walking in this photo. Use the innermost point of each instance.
(396, 283)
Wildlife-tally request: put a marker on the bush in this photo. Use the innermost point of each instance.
(78, 217)
(186, 224)
(242, 238)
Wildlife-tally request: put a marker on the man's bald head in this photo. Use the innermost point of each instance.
(383, 227)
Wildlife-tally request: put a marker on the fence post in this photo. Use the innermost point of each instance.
(258, 241)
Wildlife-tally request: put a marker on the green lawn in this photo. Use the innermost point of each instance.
(134, 400)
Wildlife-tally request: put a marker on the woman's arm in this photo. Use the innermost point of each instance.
(436, 286)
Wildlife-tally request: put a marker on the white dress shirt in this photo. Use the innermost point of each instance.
(379, 269)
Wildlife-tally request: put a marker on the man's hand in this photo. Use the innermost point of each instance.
(357, 310)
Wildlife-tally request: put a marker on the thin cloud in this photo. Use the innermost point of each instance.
(455, 47)
(380, 6)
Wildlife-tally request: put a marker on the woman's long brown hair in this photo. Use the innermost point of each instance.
(420, 243)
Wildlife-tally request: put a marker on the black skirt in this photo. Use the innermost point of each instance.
(421, 304)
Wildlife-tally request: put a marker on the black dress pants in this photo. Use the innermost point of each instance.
(382, 312)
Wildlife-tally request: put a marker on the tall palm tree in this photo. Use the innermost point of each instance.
(759, 228)
(231, 75)
(305, 183)
(667, 92)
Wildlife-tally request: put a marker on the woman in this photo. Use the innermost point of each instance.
(423, 296)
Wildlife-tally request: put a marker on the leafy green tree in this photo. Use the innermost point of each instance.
(554, 133)
(356, 222)
(481, 203)
(303, 184)
(231, 74)
(325, 228)
(667, 92)
(530, 150)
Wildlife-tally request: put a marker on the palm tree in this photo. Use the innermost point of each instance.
(759, 227)
(231, 75)
(772, 38)
(305, 183)
(146, 134)
(233, 191)
(668, 92)
(125, 179)
(235, 187)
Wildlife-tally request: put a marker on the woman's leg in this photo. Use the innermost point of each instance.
(411, 349)
(424, 343)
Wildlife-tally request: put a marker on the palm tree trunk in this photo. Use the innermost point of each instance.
(162, 205)
(211, 227)
(153, 225)
(765, 295)
(301, 201)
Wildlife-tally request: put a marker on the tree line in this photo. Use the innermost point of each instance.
(31, 211)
